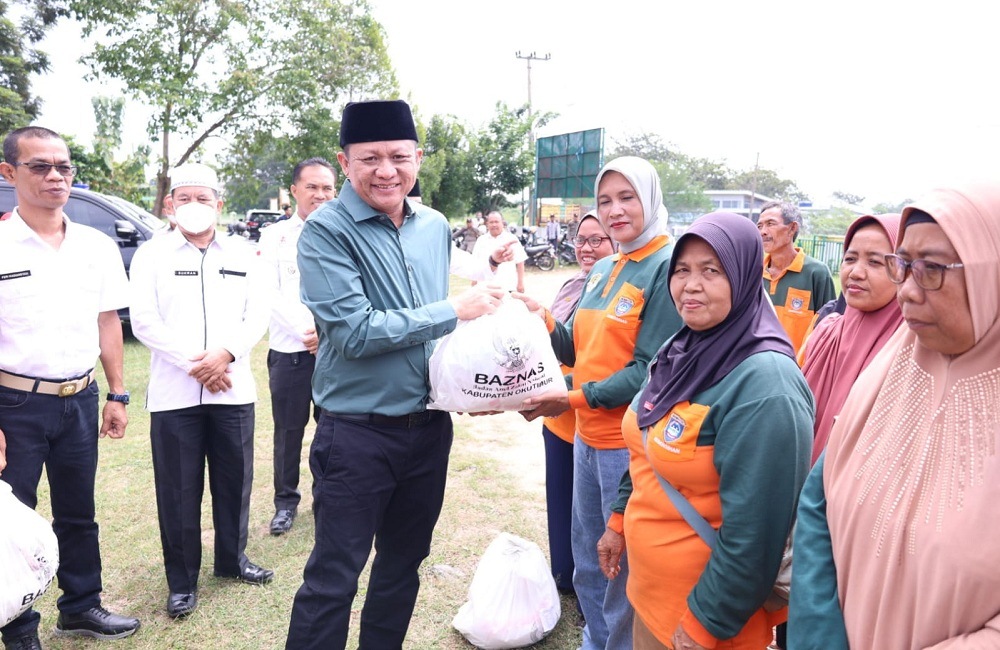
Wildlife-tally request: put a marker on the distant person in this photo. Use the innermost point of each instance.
(292, 340)
(552, 232)
(797, 284)
(469, 235)
(61, 285)
(510, 275)
(199, 305)
(374, 272)
(897, 528)
(592, 244)
(286, 213)
(573, 226)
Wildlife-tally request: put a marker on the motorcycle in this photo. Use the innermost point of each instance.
(567, 252)
(540, 255)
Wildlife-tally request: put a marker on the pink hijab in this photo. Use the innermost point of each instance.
(842, 346)
(912, 473)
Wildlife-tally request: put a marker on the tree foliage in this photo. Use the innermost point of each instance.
(234, 68)
(847, 197)
(503, 160)
(19, 59)
(890, 208)
(447, 176)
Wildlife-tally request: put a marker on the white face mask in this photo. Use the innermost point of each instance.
(195, 218)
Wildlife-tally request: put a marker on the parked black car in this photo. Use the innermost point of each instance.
(128, 225)
(259, 219)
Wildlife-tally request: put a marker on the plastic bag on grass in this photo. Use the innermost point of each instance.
(495, 362)
(29, 556)
(513, 600)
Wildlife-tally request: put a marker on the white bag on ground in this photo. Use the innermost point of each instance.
(29, 555)
(495, 362)
(513, 600)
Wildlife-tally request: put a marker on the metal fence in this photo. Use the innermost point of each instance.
(826, 248)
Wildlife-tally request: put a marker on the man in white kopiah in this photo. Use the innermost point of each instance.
(199, 305)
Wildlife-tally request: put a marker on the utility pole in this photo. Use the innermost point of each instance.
(531, 132)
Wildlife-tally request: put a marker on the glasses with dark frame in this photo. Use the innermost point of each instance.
(594, 241)
(928, 275)
(43, 168)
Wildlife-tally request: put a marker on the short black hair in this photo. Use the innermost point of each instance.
(11, 149)
(789, 214)
(311, 162)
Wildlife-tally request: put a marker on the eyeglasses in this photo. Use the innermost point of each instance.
(927, 275)
(373, 162)
(42, 168)
(594, 241)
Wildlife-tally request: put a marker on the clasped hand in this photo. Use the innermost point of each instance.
(211, 369)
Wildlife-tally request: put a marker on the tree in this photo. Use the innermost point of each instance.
(847, 197)
(830, 222)
(503, 161)
(447, 175)
(233, 67)
(19, 60)
(890, 208)
(767, 182)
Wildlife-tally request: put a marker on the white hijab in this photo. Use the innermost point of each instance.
(646, 183)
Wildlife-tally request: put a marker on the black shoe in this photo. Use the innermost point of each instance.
(180, 605)
(26, 642)
(255, 575)
(282, 521)
(96, 622)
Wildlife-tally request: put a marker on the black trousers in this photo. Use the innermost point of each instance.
(61, 434)
(559, 506)
(182, 440)
(290, 379)
(370, 483)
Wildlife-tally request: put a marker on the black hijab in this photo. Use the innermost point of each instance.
(691, 361)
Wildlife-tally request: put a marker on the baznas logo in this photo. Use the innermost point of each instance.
(797, 303)
(674, 428)
(594, 279)
(623, 306)
(511, 351)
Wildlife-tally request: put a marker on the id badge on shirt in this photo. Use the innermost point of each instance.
(675, 437)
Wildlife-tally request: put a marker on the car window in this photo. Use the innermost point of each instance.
(90, 214)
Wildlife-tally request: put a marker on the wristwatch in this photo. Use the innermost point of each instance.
(116, 397)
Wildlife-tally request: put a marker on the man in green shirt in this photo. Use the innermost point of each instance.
(374, 272)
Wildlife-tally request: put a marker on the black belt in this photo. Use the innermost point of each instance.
(408, 421)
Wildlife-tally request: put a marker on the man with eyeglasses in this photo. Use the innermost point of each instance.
(797, 284)
(61, 285)
(373, 269)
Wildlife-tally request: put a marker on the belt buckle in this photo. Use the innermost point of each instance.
(68, 388)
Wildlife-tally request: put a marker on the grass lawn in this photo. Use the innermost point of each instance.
(483, 499)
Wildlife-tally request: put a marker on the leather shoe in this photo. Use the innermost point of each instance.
(96, 622)
(255, 575)
(180, 605)
(282, 521)
(26, 642)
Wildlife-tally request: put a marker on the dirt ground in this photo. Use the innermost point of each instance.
(508, 437)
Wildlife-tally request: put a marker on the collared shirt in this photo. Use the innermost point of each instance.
(798, 292)
(290, 319)
(506, 273)
(185, 301)
(50, 298)
(378, 295)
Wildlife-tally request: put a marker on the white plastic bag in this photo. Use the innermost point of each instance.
(513, 600)
(29, 556)
(495, 362)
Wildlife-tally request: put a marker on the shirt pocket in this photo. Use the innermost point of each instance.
(675, 437)
(20, 297)
(624, 308)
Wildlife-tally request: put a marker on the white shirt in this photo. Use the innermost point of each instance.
(506, 273)
(50, 298)
(464, 265)
(278, 249)
(185, 302)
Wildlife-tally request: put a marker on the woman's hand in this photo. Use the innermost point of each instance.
(546, 405)
(533, 305)
(681, 641)
(609, 553)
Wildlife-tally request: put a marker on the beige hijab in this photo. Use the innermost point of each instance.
(912, 475)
